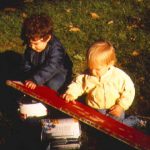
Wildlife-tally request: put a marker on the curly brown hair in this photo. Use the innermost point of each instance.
(36, 27)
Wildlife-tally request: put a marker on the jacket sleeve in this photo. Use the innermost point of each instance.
(76, 88)
(51, 66)
(127, 93)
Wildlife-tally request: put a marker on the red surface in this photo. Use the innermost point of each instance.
(128, 135)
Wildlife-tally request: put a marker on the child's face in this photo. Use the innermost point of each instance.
(38, 45)
(98, 70)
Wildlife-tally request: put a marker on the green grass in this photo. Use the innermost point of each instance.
(124, 23)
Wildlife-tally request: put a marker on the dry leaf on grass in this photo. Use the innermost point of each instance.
(140, 0)
(141, 79)
(74, 29)
(135, 53)
(110, 22)
(94, 15)
(130, 27)
(68, 10)
(24, 15)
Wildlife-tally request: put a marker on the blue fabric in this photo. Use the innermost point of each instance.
(49, 65)
(56, 82)
(132, 121)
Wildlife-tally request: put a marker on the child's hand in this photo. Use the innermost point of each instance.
(68, 97)
(116, 110)
(30, 84)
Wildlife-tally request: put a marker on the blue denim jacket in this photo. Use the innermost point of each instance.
(41, 67)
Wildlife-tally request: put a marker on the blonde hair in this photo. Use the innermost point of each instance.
(101, 53)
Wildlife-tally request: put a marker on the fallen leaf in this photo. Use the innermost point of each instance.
(130, 27)
(74, 29)
(133, 38)
(24, 15)
(141, 79)
(110, 22)
(68, 10)
(140, 0)
(141, 98)
(94, 15)
(135, 53)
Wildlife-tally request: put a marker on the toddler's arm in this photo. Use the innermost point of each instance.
(116, 110)
(68, 97)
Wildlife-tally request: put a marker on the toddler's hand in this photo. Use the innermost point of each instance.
(30, 84)
(116, 110)
(68, 97)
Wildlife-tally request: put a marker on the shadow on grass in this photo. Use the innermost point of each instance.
(10, 63)
(11, 4)
(15, 133)
(10, 66)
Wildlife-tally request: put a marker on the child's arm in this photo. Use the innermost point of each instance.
(51, 66)
(116, 110)
(127, 93)
(68, 97)
(75, 89)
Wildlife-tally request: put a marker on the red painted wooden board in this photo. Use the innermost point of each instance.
(128, 135)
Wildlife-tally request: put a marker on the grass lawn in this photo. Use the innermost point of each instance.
(78, 23)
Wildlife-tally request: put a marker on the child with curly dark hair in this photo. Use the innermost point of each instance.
(45, 59)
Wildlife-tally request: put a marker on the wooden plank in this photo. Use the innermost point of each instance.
(105, 124)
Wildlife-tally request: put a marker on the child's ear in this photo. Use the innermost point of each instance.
(48, 38)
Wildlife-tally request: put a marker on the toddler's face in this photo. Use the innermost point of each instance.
(38, 45)
(98, 70)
